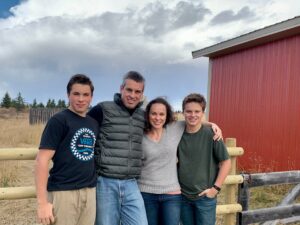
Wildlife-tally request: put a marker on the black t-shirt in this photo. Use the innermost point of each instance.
(96, 113)
(72, 137)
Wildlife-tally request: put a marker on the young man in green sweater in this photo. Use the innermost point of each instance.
(203, 165)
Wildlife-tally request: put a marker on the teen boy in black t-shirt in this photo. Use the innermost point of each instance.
(67, 196)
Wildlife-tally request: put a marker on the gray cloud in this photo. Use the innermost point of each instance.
(188, 14)
(158, 19)
(110, 23)
(228, 16)
(217, 39)
(189, 46)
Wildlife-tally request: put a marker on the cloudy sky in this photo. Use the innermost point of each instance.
(43, 43)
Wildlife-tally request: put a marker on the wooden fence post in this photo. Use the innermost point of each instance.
(244, 195)
(230, 190)
(42, 115)
(243, 198)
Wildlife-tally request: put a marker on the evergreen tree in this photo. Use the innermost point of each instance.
(34, 104)
(61, 104)
(19, 103)
(48, 105)
(53, 104)
(40, 105)
(6, 101)
(58, 103)
(13, 103)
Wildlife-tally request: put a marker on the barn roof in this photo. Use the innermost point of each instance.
(274, 32)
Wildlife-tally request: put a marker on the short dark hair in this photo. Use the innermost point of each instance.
(170, 113)
(194, 97)
(79, 79)
(133, 75)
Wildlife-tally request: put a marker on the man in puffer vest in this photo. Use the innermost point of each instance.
(118, 155)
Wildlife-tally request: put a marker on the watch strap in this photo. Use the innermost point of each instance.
(217, 188)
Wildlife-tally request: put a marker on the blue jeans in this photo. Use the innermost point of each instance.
(198, 212)
(119, 202)
(162, 209)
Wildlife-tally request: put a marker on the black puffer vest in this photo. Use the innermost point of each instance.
(119, 141)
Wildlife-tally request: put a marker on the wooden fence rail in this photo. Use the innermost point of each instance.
(12, 193)
(261, 179)
(18, 153)
(260, 215)
(22, 192)
(283, 211)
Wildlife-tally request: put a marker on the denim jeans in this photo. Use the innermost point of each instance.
(119, 202)
(198, 212)
(162, 209)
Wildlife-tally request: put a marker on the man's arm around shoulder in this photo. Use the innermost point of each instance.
(45, 209)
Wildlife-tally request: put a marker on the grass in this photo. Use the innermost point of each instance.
(15, 131)
(8, 176)
(268, 196)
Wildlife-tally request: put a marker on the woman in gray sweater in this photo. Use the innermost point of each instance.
(158, 181)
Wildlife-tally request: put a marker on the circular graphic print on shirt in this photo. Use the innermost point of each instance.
(82, 144)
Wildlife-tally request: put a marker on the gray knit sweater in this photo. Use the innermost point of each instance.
(159, 170)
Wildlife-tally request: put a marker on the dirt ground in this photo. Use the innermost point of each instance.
(19, 212)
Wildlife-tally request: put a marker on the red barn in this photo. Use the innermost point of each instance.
(254, 94)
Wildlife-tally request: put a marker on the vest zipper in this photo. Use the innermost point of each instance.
(130, 145)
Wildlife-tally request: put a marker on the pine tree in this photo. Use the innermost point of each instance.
(40, 105)
(58, 103)
(48, 105)
(34, 104)
(19, 103)
(6, 101)
(53, 104)
(61, 104)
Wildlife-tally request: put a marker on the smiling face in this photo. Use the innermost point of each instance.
(193, 114)
(80, 98)
(157, 115)
(131, 93)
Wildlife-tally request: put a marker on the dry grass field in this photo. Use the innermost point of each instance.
(15, 131)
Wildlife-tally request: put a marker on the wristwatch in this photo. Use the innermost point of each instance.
(217, 188)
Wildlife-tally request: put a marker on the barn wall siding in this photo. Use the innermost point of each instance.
(255, 97)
